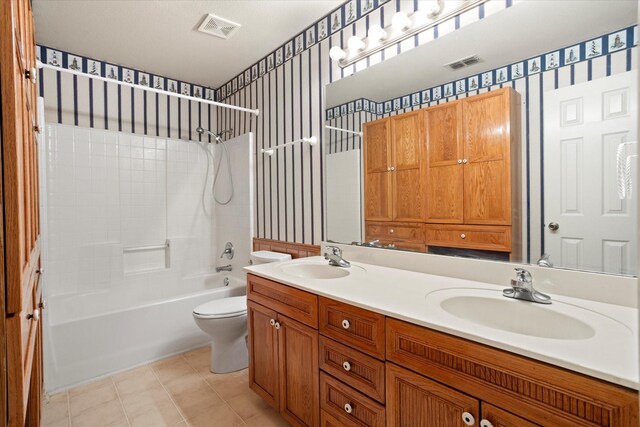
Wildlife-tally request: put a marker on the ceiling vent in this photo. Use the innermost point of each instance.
(219, 27)
(464, 62)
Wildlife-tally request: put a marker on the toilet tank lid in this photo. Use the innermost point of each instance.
(223, 307)
(268, 256)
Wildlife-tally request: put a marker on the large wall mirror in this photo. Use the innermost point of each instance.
(511, 138)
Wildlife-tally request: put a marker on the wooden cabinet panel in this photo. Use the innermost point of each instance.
(354, 326)
(328, 420)
(487, 139)
(299, 380)
(408, 246)
(362, 372)
(348, 405)
(409, 232)
(377, 176)
(485, 237)
(408, 151)
(294, 303)
(413, 400)
(263, 353)
(538, 392)
(444, 168)
(499, 418)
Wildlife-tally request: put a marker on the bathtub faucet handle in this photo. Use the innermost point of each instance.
(228, 251)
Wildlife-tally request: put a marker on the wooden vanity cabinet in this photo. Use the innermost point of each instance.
(283, 350)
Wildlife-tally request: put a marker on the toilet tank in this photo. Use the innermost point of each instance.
(264, 257)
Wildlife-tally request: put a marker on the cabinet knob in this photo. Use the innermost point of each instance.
(346, 365)
(40, 271)
(459, 161)
(346, 324)
(277, 325)
(389, 168)
(465, 161)
(485, 423)
(468, 419)
(393, 168)
(31, 75)
(391, 231)
(35, 315)
(43, 304)
(348, 408)
(272, 322)
(463, 236)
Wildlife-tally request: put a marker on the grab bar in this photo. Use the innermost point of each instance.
(145, 248)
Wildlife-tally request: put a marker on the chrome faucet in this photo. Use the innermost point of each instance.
(334, 256)
(544, 261)
(371, 244)
(223, 268)
(228, 251)
(522, 288)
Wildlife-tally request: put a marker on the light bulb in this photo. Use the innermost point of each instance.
(355, 44)
(336, 53)
(420, 17)
(400, 21)
(435, 9)
(377, 33)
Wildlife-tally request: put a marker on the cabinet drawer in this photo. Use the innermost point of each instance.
(410, 232)
(348, 405)
(294, 303)
(362, 372)
(541, 393)
(356, 327)
(490, 238)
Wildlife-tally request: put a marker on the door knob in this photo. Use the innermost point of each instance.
(554, 226)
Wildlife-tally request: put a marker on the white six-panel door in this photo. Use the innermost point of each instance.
(584, 124)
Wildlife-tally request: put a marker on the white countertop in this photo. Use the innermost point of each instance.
(611, 354)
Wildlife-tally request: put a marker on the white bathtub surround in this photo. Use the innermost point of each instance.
(604, 343)
(129, 250)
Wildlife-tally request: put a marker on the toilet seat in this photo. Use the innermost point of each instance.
(222, 308)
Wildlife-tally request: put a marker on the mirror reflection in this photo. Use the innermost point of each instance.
(516, 143)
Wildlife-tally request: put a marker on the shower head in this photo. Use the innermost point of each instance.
(218, 137)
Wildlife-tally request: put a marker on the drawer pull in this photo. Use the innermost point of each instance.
(277, 325)
(272, 322)
(347, 408)
(463, 236)
(35, 315)
(468, 419)
(391, 231)
(485, 423)
(346, 324)
(347, 366)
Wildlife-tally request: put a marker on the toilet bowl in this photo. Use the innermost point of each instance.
(225, 320)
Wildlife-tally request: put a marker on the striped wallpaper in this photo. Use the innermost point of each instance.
(289, 184)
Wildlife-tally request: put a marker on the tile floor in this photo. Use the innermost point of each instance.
(179, 391)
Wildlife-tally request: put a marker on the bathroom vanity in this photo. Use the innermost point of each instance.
(376, 346)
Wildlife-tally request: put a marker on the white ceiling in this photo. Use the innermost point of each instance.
(159, 36)
(527, 29)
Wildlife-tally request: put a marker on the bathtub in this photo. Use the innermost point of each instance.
(146, 320)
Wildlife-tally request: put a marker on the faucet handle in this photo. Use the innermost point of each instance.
(523, 275)
(335, 250)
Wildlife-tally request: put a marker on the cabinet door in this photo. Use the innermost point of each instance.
(445, 170)
(263, 353)
(377, 177)
(407, 145)
(496, 417)
(415, 401)
(487, 177)
(299, 373)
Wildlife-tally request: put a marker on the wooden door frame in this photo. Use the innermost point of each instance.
(3, 335)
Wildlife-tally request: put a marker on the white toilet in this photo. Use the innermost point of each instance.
(225, 320)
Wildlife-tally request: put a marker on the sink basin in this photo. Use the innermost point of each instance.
(488, 308)
(315, 271)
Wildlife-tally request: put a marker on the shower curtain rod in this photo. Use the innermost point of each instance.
(148, 89)
(344, 130)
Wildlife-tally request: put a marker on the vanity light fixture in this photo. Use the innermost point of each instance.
(337, 54)
(377, 34)
(402, 27)
(400, 21)
(355, 45)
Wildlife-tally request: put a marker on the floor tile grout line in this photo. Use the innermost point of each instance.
(126, 416)
(214, 390)
(155, 374)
